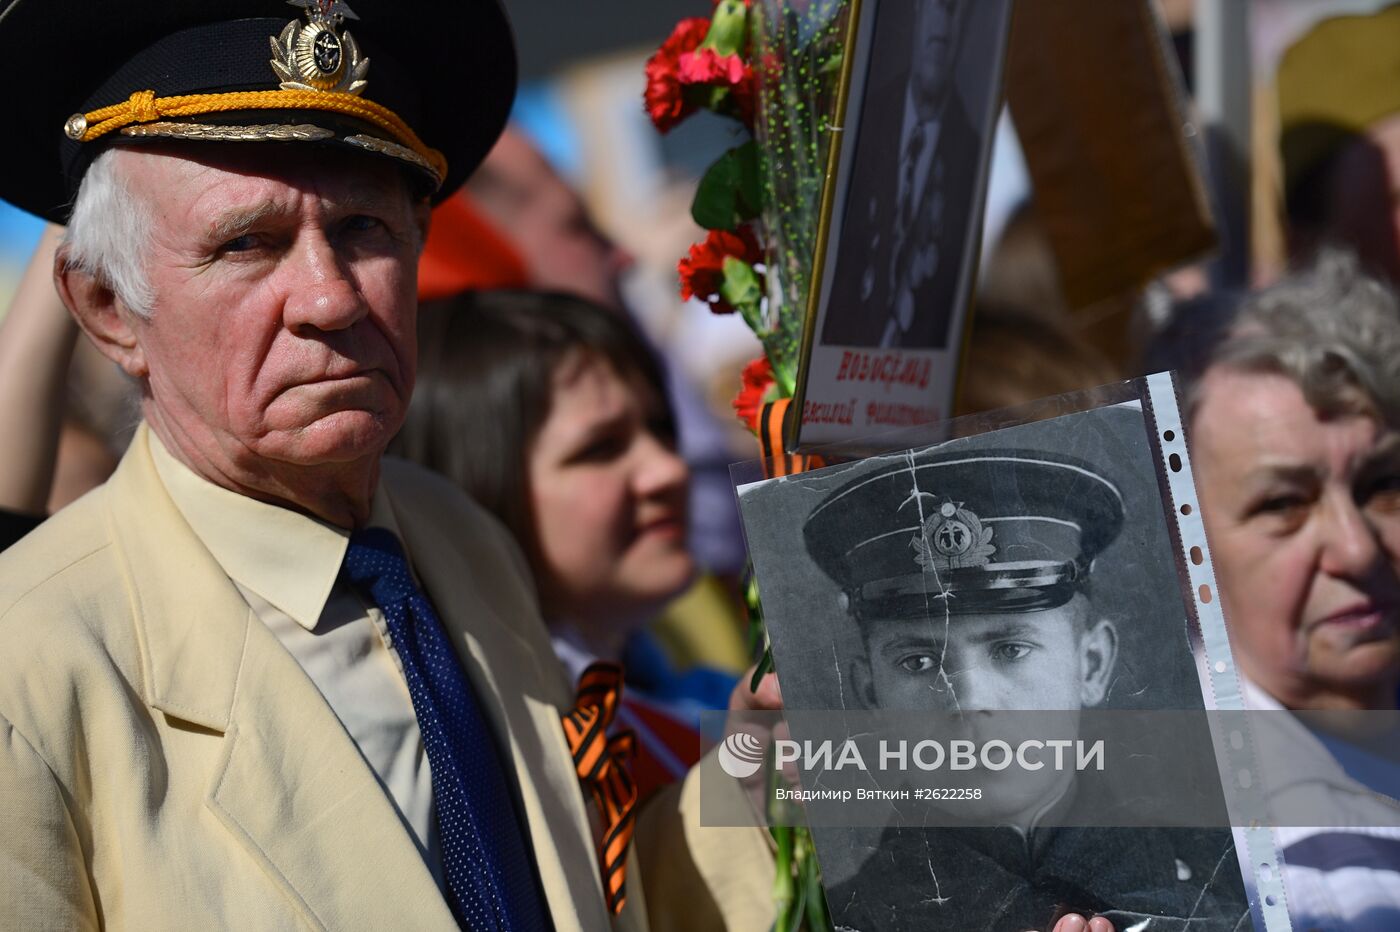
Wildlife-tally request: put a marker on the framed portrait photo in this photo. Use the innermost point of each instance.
(898, 239)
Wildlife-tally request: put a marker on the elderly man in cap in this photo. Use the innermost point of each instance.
(969, 574)
(260, 680)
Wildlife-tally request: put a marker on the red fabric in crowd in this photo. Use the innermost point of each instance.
(465, 252)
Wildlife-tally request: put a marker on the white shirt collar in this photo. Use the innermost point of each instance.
(288, 558)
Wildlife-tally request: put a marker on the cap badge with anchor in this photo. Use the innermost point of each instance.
(319, 55)
(952, 537)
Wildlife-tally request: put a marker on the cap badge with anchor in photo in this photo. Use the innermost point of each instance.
(1001, 531)
(428, 85)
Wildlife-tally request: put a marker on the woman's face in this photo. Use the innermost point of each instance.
(608, 500)
(1303, 516)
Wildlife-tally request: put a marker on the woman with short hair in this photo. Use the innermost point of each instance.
(1293, 407)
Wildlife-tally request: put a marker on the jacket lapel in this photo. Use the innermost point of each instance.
(290, 785)
(295, 791)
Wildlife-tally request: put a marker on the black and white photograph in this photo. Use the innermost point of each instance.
(899, 253)
(920, 129)
(1028, 568)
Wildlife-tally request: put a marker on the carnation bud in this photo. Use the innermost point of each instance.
(728, 27)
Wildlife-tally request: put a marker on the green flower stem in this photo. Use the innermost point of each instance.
(741, 288)
(799, 908)
(810, 877)
(783, 885)
(784, 368)
(713, 97)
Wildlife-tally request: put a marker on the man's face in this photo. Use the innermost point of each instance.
(1057, 660)
(936, 30)
(283, 323)
(1053, 659)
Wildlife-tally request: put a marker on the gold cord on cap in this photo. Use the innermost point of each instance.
(145, 107)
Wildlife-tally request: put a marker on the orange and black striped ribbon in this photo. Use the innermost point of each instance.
(773, 424)
(602, 769)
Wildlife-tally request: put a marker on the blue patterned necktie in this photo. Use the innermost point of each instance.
(490, 880)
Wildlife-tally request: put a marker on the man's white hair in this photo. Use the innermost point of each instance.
(109, 233)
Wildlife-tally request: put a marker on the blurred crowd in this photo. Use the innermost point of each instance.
(566, 389)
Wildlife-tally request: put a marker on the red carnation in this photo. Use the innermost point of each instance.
(665, 99)
(706, 66)
(702, 271)
(756, 380)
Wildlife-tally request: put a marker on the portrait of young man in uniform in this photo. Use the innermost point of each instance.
(993, 575)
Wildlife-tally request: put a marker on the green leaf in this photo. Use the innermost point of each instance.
(731, 192)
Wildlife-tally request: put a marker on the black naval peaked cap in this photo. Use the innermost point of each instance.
(428, 83)
(984, 532)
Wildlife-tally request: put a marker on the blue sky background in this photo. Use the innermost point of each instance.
(18, 234)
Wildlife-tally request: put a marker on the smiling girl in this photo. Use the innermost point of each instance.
(552, 413)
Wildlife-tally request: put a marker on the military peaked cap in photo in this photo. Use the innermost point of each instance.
(429, 83)
(984, 532)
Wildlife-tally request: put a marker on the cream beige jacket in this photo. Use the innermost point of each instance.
(166, 764)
